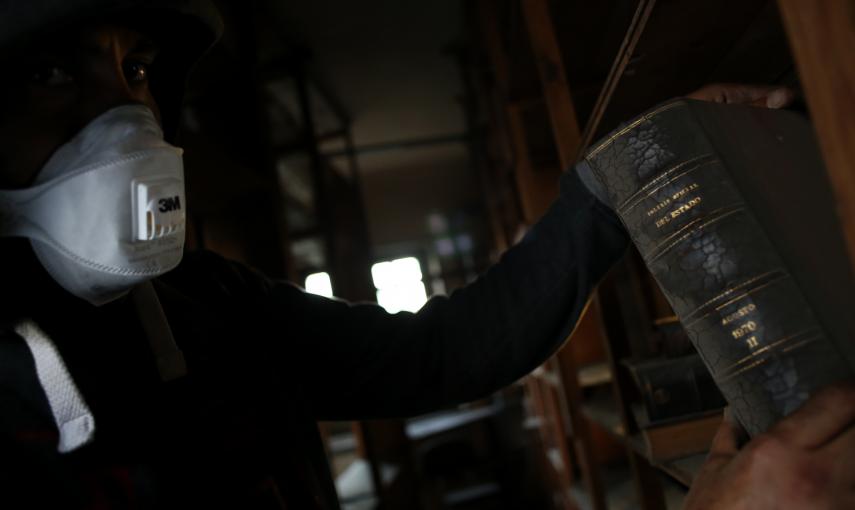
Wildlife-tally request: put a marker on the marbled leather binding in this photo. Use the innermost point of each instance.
(731, 209)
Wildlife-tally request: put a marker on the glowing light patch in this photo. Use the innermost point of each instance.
(399, 285)
(320, 284)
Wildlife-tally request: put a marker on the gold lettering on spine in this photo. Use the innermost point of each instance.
(688, 206)
(752, 342)
(661, 205)
(672, 198)
(741, 331)
(680, 194)
(742, 312)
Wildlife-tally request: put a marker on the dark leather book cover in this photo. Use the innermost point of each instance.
(732, 211)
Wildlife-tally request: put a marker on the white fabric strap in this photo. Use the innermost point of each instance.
(70, 412)
(169, 358)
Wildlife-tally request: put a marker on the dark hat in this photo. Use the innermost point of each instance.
(25, 21)
(188, 28)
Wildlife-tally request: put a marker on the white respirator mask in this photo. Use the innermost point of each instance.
(106, 212)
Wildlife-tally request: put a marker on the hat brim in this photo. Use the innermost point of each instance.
(24, 23)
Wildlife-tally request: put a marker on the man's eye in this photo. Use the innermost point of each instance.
(52, 76)
(136, 72)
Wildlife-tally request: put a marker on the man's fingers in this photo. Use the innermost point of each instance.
(726, 440)
(842, 448)
(759, 95)
(769, 96)
(780, 98)
(825, 416)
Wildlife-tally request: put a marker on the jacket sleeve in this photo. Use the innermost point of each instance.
(358, 362)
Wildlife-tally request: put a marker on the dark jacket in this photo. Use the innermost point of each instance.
(266, 361)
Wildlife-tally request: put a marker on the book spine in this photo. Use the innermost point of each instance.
(743, 312)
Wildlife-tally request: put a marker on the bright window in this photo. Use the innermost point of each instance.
(320, 284)
(399, 285)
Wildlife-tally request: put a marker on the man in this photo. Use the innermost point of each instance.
(127, 382)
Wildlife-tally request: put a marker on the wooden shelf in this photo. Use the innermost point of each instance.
(595, 374)
(602, 410)
(684, 470)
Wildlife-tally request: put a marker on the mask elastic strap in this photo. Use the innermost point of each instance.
(169, 358)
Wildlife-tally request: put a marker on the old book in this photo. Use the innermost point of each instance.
(679, 438)
(674, 388)
(732, 211)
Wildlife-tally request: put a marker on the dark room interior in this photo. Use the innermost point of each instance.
(542, 254)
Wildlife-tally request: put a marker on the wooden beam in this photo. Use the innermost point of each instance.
(565, 365)
(822, 37)
(556, 91)
(568, 140)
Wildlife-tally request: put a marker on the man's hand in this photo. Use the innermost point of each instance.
(755, 95)
(806, 461)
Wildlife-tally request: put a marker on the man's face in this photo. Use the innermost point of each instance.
(50, 93)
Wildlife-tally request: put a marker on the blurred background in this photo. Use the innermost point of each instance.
(391, 150)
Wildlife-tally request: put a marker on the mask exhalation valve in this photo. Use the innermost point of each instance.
(158, 208)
